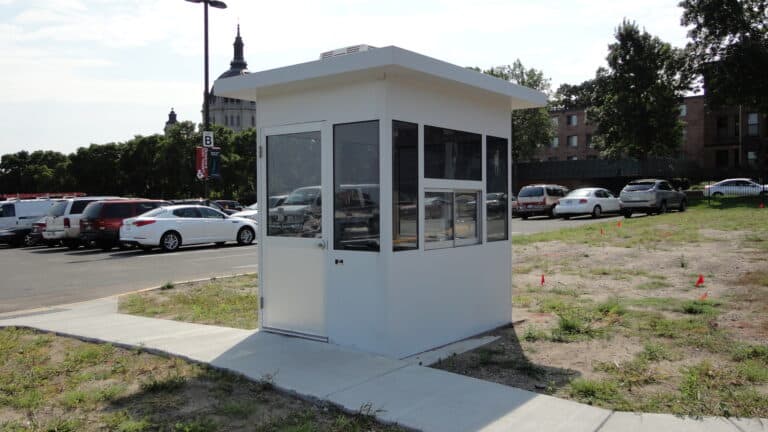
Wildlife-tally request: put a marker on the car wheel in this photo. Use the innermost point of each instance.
(597, 211)
(663, 207)
(105, 246)
(566, 217)
(683, 205)
(170, 241)
(627, 213)
(524, 217)
(245, 236)
(28, 242)
(72, 244)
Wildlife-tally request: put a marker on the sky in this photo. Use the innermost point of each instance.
(77, 72)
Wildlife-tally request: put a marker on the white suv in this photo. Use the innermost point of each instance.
(62, 224)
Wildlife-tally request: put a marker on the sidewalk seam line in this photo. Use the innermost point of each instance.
(605, 420)
(367, 380)
(739, 428)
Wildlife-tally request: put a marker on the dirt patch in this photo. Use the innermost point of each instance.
(632, 329)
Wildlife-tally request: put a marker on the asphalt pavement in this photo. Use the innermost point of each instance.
(37, 277)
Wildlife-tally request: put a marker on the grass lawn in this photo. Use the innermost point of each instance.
(51, 383)
(229, 302)
(619, 322)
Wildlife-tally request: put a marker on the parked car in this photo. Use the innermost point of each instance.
(35, 236)
(101, 220)
(584, 201)
(541, 199)
(651, 196)
(62, 224)
(299, 213)
(17, 218)
(735, 186)
(230, 205)
(173, 226)
(251, 212)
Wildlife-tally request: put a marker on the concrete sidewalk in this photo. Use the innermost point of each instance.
(396, 391)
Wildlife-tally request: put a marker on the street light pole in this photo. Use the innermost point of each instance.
(206, 93)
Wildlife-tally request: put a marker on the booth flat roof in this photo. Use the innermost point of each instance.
(374, 60)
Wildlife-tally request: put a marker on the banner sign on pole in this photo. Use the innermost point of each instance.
(208, 139)
(214, 162)
(201, 163)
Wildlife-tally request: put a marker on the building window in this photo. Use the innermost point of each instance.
(573, 141)
(496, 188)
(683, 110)
(588, 141)
(226, 120)
(238, 120)
(572, 120)
(721, 158)
(573, 158)
(555, 142)
(685, 135)
(752, 159)
(405, 186)
(753, 126)
(722, 127)
(356, 186)
(452, 154)
(450, 218)
(555, 122)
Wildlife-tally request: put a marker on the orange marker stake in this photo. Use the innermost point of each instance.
(602, 232)
(618, 224)
(761, 205)
(704, 296)
(542, 279)
(700, 281)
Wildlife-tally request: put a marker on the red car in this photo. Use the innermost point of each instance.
(102, 219)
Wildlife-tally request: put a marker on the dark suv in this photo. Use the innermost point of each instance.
(102, 220)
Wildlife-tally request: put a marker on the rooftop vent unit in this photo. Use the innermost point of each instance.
(345, 51)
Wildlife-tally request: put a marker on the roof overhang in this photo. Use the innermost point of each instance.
(372, 64)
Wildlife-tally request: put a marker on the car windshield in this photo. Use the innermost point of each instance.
(531, 192)
(58, 209)
(580, 193)
(302, 197)
(641, 186)
(254, 206)
(7, 210)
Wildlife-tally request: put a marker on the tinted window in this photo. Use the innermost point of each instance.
(7, 210)
(143, 207)
(117, 211)
(405, 186)
(452, 154)
(293, 169)
(497, 186)
(665, 186)
(186, 212)
(356, 186)
(641, 186)
(79, 206)
(209, 213)
(93, 211)
(160, 212)
(531, 192)
(58, 208)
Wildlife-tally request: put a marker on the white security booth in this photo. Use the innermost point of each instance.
(383, 184)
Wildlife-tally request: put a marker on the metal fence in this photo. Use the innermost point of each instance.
(747, 184)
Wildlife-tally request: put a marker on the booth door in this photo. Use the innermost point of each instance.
(294, 228)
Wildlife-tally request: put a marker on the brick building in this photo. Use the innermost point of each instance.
(722, 139)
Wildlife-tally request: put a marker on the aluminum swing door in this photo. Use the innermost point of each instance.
(294, 228)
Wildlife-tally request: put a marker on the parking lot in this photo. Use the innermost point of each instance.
(38, 277)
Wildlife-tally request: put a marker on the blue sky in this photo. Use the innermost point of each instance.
(76, 72)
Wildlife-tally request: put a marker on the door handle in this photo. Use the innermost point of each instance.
(322, 244)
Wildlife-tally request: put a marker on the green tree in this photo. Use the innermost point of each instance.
(636, 101)
(531, 128)
(729, 48)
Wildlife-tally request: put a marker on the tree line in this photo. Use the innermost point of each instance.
(634, 102)
(155, 166)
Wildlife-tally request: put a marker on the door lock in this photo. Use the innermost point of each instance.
(321, 244)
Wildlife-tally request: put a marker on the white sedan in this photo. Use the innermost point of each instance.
(735, 186)
(584, 201)
(173, 226)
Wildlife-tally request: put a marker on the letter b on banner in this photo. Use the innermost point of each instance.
(208, 139)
